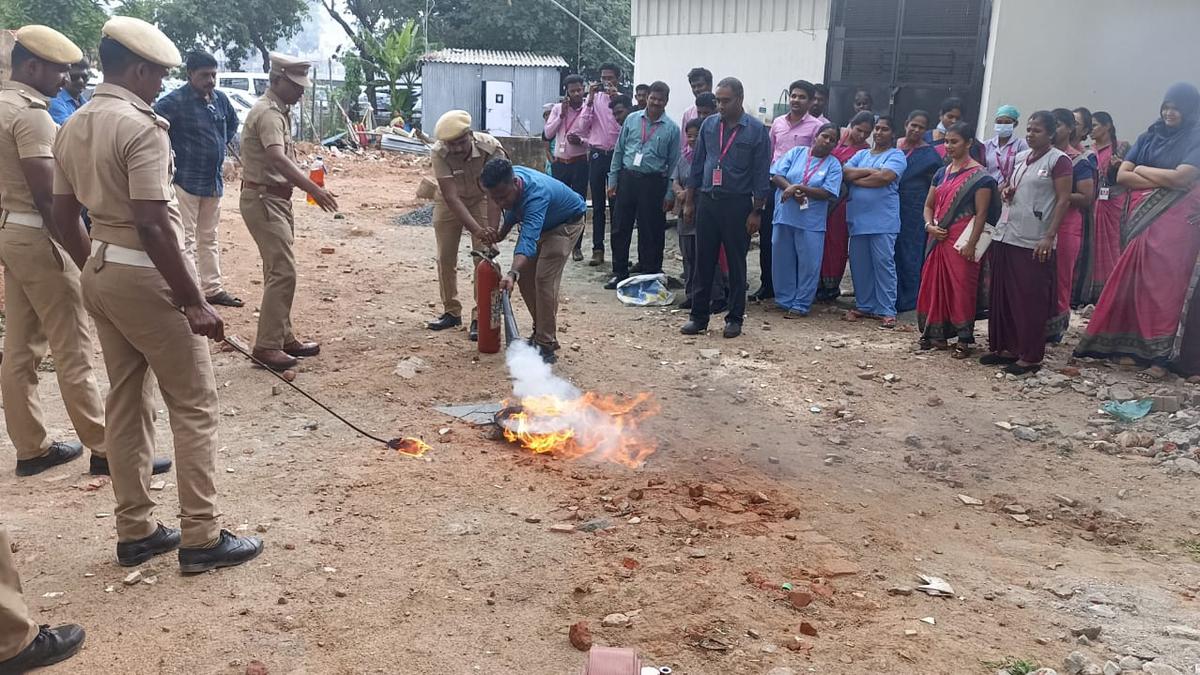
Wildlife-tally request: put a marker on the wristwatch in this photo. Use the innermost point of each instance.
(516, 276)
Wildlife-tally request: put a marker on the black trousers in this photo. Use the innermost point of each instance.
(764, 247)
(575, 175)
(598, 165)
(639, 199)
(721, 220)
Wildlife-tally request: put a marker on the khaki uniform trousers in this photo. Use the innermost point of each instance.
(141, 330)
(201, 216)
(540, 281)
(273, 227)
(448, 231)
(45, 308)
(17, 630)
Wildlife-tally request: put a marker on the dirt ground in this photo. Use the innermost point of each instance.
(817, 453)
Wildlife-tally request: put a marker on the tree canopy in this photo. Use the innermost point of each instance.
(79, 20)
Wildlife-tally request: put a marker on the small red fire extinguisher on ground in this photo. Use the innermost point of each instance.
(487, 300)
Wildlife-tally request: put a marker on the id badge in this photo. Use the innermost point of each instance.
(803, 204)
(637, 159)
(716, 177)
(1103, 196)
(1043, 172)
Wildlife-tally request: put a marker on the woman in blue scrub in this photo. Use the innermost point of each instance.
(808, 179)
(873, 214)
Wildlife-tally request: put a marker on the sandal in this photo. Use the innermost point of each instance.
(854, 315)
(1152, 374)
(225, 299)
(1018, 370)
(888, 323)
(961, 351)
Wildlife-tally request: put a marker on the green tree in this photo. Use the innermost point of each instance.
(79, 20)
(397, 55)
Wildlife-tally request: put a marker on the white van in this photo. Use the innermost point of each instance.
(253, 84)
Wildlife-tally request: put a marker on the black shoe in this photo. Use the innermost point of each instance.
(444, 321)
(59, 453)
(577, 255)
(134, 553)
(686, 304)
(548, 355)
(99, 466)
(1018, 370)
(473, 331)
(996, 360)
(614, 282)
(50, 646)
(761, 294)
(224, 298)
(636, 269)
(229, 551)
(693, 327)
(732, 329)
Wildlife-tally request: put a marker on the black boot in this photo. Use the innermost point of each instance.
(693, 327)
(50, 646)
(230, 551)
(133, 553)
(444, 321)
(473, 332)
(99, 466)
(59, 453)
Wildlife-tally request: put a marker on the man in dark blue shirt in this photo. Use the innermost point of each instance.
(202, 123)
(551, 217)
(728, 190)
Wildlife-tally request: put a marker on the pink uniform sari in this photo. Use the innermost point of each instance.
(837, 235)
(948, 300)
(1067, 249)
(1102, 242)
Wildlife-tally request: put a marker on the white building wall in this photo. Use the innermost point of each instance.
(1112, 55)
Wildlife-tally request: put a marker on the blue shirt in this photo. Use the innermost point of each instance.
(875, 210)
(824, 172)
(199, 131)
(63, 105)
(545, 203)
(745, 169)
(659, 153)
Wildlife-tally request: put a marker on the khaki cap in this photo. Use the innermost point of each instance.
(49, 45)
(143, 39)
(452, 125)
(291, 67)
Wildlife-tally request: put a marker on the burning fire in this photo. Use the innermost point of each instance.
(588, 425)
(411, 447)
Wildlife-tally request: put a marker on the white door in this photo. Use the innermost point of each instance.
(497, 108)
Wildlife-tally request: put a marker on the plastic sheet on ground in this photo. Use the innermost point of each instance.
(645, 290)
(1128, 411)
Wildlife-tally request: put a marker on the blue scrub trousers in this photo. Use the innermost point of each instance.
(873, 268)
(796, 266)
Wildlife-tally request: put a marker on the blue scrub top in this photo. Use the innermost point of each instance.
(826, 174)
(876, 210)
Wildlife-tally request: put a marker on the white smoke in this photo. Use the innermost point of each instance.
(533, 377)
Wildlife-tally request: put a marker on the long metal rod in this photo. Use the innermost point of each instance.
(591, 30)
(343, 420)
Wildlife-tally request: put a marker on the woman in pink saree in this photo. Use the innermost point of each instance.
(1102, 241)
(1143, 314)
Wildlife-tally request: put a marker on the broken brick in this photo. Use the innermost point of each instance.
(580, 636)
(630, 564)
(800, 599)
(808, 629)
(689, 515)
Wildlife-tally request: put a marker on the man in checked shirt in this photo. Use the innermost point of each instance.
(202, 123)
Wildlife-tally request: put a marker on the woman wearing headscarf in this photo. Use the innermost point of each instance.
(1000, 151)
(874, 221)
(923, 161)
(963, 198)
(807, 179)
(1147, 312)
(1078, 218)
(1022, 253)
(1102, 242)
(837, 234)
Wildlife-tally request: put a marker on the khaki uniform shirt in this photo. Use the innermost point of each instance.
(268, 123)
(112, 151)
(465, 170)
(26, 132)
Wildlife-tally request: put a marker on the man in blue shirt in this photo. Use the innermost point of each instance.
(728, 191)
(70, 97)
(551, 217)
(645, 156)
(202, 123)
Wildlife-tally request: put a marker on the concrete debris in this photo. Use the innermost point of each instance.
(935, 586)
(615, 620)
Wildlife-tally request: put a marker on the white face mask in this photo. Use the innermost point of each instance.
(1004, 130)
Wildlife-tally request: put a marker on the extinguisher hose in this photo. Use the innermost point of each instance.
(511, 334)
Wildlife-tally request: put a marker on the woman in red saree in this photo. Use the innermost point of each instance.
(960, 199)
(1146, 313)
(837, 233)
(1102, 241)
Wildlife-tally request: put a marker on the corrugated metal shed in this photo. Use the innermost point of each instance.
(696, 17)
(487, 57)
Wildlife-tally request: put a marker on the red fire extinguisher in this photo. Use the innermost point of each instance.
(487, 300)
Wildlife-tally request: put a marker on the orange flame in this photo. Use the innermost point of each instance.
(592, 426)
(412, 447)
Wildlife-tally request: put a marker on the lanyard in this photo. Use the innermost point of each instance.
(808, 173)
(1005, 174)
(653, 128)
(721, 141)
(568, 121)
(1019, 173)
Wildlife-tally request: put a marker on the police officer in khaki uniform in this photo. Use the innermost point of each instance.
(114, 156)
(458, 158)
(269, 175)
(44, 306)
